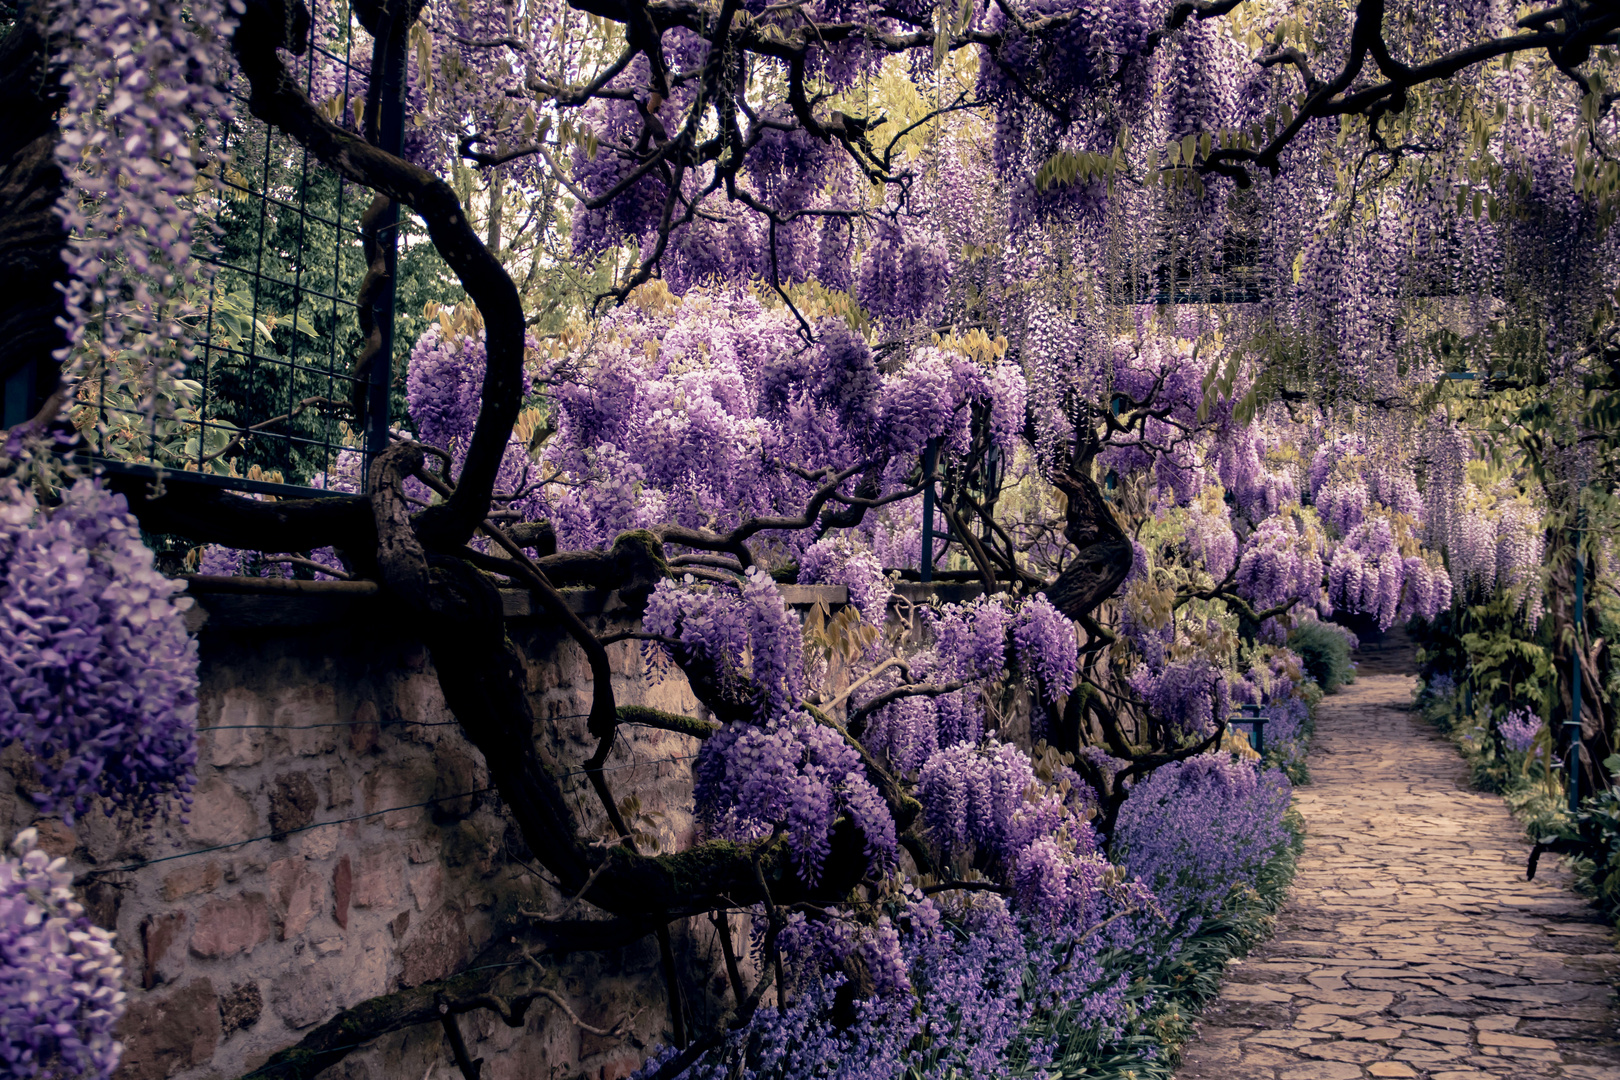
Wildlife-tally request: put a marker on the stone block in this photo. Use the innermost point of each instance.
(101, 838)
(379, 881)
(1517, 1042)
(427, 886)
(339, 786)
(469, 844)
(316, 845)
(303, 996)
(420, 698)
(235, 740)
(622, 1064)
(438, 949)
(162, 1036)
(220, 814)
(366, 730)
(342, 891)
(55, 838)
(1351, 1050)
(293, 802)
(241, 1007)
(306, 717)
(158, 935)
(192, 878)
(102, 899)
(231, 925)
(1321, 1070)
(459, 770)
(406, 786)
(299, 894)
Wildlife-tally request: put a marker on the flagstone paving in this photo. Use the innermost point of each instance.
(1411, 944)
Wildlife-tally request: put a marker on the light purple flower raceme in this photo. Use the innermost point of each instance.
(723, 626)
(98, 675)
(835, 560)
(1044, 641)
(61, 977)
(1519, 729)
(1188, 696)
(797, 773)
(145, 108)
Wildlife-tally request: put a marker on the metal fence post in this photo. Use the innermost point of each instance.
(930, 461)
(1573, 725)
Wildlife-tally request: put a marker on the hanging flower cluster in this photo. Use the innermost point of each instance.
(1519, 729)
(143, 80)
(98, 676)
(798, 774)
(61, 978)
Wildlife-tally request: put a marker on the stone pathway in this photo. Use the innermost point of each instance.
(1411, 945)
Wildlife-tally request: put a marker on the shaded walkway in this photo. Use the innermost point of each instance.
(1411, 945)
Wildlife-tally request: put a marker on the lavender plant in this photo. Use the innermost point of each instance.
(1519, 729)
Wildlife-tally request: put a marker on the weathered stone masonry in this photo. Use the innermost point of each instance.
(319, 710)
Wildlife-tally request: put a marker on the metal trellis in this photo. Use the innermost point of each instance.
(273, 364)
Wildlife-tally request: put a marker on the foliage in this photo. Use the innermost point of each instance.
(297, 273)
(133, 245)
(1287, 698)
(1512, 753)
(1591, 840)
(1505, 660)
(1324, 650)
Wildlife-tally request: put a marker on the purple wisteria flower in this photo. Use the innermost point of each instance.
(98, 675)
(60, 976)
(1044, 640)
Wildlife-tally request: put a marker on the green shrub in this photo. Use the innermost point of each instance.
(1325, 651)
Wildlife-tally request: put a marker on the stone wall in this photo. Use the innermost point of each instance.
(341, 845)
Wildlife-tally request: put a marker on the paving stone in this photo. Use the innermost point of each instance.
(1411, 946)
(1505, 1042)
(1321, 1070)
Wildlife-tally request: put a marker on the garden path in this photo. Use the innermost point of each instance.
(1411, 944)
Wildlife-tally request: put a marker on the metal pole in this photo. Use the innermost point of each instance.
(1573, 725)
(930, 459)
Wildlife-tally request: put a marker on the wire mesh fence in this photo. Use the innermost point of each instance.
(267, 403)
